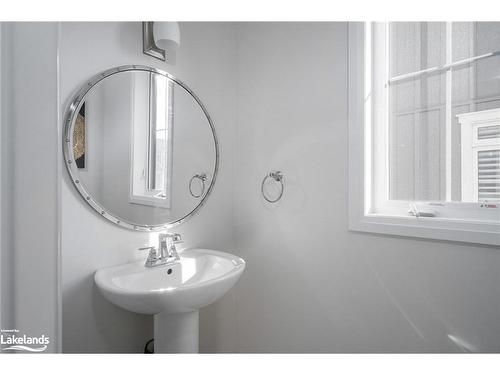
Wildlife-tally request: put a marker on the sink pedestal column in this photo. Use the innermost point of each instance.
(176, 333)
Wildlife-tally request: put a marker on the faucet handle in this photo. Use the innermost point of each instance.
(152, 256)
(172, 238)
(176, 238)
(152, 251)
(148, 248)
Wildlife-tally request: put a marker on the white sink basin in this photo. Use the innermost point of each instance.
(173, 293)
(198, 279)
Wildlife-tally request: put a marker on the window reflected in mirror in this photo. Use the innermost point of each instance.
(152, 140)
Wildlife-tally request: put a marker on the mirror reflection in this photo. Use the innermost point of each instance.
(143, 148)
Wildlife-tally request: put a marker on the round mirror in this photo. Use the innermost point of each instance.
(140, 148)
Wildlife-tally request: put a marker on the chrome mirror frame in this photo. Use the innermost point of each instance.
(69, 123)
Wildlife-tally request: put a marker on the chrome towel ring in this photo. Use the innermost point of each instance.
(278, 177)
(202, 177)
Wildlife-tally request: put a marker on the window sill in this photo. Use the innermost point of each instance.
(478, 232)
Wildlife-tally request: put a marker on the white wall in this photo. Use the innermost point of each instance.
(311, 285)
(205, 62)
(30, 179)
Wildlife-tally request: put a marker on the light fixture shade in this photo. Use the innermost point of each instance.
(166, 34)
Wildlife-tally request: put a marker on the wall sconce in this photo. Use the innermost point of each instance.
(157, 37)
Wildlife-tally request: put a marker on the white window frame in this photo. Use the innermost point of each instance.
(454, 221)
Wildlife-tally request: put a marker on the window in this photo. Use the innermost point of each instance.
(152, 141)
(158, 137)
(424, 109)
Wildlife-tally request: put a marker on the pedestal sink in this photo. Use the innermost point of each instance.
(173, 293)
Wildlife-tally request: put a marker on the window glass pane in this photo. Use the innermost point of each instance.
(462, 40)
(487, 37)
(487, 78)
(417, 139)
(482, 78)
(475, 88)
(415, 46)
(417, 111)
(421, 111)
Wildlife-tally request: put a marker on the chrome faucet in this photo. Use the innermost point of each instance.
(167, 250)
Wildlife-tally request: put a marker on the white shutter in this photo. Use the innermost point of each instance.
(488, 132)
(480, 156)
(488, 163)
